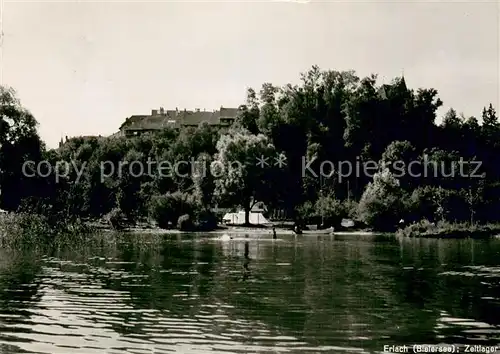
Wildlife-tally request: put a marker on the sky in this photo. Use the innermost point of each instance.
(82, 67)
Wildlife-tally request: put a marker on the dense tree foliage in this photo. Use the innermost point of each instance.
(244, 169)
(334, 123)
(19, 142)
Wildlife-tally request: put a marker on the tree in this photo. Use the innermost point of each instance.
(328, 116)
(490, 119)
(441, 168)
(248, 114)
(474, 198)
(243, 169)
(129, 185)
(168, 208)
(452, 120)
(330, 209)
(269, 116)
(439, 197)
(381, 205)
(398, 158)
(421, 128)
(19, 142)
(203, 180)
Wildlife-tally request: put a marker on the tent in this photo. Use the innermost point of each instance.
(239, 218)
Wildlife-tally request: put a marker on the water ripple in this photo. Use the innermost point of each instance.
(291, 297)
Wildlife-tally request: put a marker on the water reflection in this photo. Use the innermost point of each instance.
(195, 294)
(246, 262)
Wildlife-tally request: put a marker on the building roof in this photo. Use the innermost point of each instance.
(399, 83)
(228, 112)
(150, 122)
(402, 83)
(382, 91)
(195, 118)
(176, 119)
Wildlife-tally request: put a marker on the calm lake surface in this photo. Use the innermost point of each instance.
(200, 295)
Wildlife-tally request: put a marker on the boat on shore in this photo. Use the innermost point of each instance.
(317, 232)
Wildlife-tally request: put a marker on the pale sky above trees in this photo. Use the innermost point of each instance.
(82, 68)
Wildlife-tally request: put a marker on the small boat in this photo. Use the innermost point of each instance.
(329, 231)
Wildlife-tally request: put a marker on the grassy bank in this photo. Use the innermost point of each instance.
(23, 230)
(449, 230)
(37, 233)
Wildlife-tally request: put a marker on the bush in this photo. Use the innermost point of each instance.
(327, 210)
(166, 209)
(445, 229)
(161, 210)
(381, 205)
(438, 204)
(185, 223)
(330, 210)
(306, 214)
(350, 209)
(418, 228)
(206, 221)
(422, 204)
(33, 231)
(25, 229)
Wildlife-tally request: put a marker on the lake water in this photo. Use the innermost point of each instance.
(197, 295)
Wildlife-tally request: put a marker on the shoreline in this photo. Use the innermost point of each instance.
(418, 230)
(236, 231)
(422, 229)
